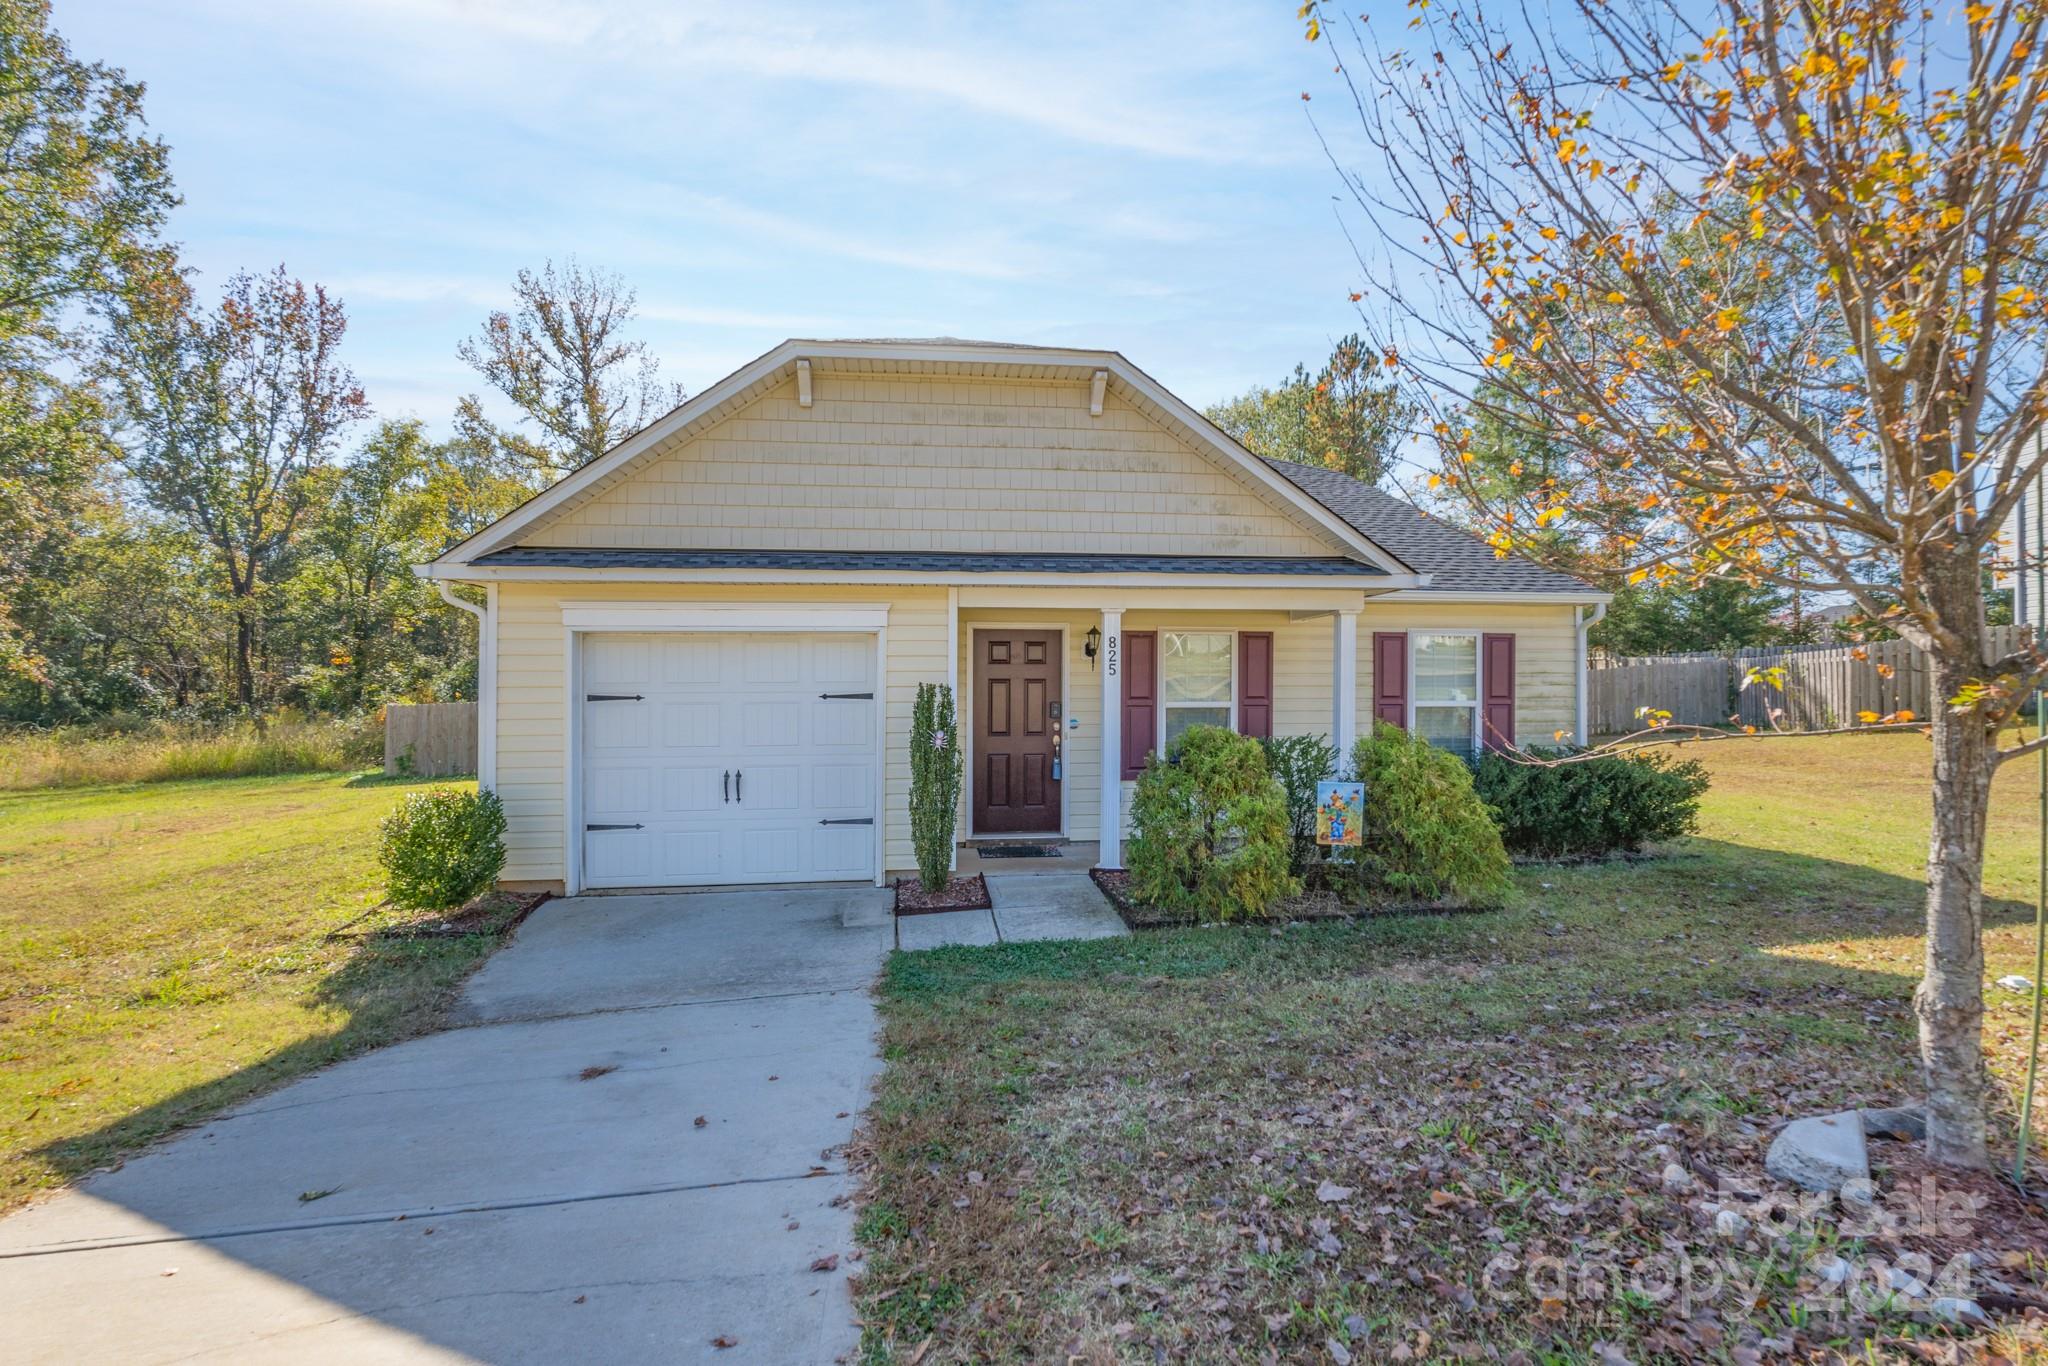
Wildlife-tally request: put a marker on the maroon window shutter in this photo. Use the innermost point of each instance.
(1390, 677)
(1255, 683)
(1141, 698)
(1497, 679)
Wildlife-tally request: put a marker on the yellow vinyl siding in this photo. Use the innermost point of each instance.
(931, 463)
(1546, 679)
(533, 716)
(1546, 661)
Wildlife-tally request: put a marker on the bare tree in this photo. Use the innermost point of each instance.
(1567, 224)
(560, 358)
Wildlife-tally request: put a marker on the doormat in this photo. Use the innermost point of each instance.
(1017, 850)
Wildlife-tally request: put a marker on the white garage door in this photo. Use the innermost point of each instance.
(728, 758)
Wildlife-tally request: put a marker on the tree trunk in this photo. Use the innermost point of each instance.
(245, 647)
(1950, 998)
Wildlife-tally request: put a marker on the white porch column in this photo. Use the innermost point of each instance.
(1111, 854)
(961, 817)
(1344, 686)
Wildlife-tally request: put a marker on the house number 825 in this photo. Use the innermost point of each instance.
(1109, 656)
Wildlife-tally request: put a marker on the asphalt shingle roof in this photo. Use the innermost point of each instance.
(1456, 560)
(932, 562)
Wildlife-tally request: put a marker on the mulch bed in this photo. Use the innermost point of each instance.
(1314, 904)
(491, 913)
(960, 894)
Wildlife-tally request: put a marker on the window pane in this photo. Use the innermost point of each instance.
(1446, 669)
(1179, 719)
(1196, 667)
(1446, 727)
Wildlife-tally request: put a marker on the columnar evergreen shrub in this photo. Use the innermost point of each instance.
(1298, 763)
(1427, 834)
(442, 847)
(1209, 829)
(934, 783)
(1592, 806)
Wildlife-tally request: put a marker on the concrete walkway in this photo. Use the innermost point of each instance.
(632, 1149)
(1027, 905)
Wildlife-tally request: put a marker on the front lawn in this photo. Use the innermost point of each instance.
(169, 949)
(1440, 1137)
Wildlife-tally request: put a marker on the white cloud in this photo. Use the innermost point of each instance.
(1089, 76)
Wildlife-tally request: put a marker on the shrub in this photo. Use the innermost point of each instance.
(1594, 806)
(1298, 763)
(934, 783)
(1209, 829)
(1427, 834)
(442, 847)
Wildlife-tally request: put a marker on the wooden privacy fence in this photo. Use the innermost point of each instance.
(1693, 688)
(1825, 685)
(430, 739)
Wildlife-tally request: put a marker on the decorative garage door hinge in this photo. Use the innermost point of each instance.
(851, 820)
(614, 827)
(615, 697)
(846, 696)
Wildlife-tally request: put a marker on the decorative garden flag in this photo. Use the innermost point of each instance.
(1340, 814)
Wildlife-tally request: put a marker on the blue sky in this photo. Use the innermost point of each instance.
(1071, 174)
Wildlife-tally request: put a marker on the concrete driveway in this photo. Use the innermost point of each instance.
(630, 1148)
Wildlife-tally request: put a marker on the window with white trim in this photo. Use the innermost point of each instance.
(1198, 681)
(1445, 695)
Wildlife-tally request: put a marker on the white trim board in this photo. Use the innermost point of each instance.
(1104, 588)
(644, 615)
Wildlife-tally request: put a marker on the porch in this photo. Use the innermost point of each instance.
(1062, 693)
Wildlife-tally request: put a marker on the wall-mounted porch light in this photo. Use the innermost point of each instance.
(1090, 644)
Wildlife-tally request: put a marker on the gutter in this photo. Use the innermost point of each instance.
(1585, 624)
(486, 680)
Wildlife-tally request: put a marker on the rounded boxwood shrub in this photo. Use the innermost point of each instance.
(1209, 830)
(1591, 806)
(442, 847)
(1427, 835)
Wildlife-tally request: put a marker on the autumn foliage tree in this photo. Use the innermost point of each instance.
(1767, 281)
(561, 357)
(228, 414)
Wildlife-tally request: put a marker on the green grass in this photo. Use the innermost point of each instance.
(1149, 1118)
(166, 950)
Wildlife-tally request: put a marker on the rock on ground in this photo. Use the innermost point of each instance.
(1821, 1153)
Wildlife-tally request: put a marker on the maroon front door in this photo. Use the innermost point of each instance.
(1016, 732)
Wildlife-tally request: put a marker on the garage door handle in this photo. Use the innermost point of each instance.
(739, 794)
(725, 786)
(846, 696)
(614, 697)
(614, 827)
(851, 820)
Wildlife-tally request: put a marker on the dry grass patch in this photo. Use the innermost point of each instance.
(168, 950)
(1389, 1139)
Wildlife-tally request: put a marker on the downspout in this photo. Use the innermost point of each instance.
(486, 680)
(1586, 624)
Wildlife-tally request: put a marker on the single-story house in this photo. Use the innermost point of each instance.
(700, 651)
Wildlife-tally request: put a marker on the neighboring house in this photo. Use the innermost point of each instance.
(700, 651)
